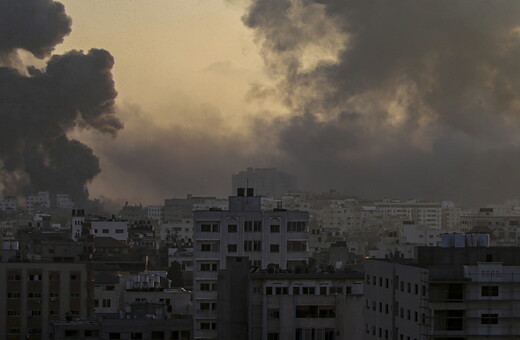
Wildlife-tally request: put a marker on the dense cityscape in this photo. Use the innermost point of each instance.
(259, 169)
(268, 262)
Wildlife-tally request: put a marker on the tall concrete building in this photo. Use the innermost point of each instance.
(267, 238)
(266, 181)
(461, 293)
(34, 294)
(275, 305)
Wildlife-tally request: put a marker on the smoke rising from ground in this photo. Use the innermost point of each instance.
(38, 108)
(410, 99)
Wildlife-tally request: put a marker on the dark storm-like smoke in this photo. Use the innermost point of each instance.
(39, 107)
(419, 98)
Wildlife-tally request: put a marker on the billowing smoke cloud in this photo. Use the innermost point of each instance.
(38, 108)
(405, 98)
(33, 25)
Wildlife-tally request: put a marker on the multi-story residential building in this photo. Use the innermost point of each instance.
(406, 239)
(266, 181)
(452, 216)
(33, 294)
(113, 228)
(277, 237)
(428, 214)
(133, 327)
(271, 304)
(77, 224)
(504, 229)
(40, 200)
(155, 212)
(177, 209)
(178, 233)
(463, 293)
(9, 204)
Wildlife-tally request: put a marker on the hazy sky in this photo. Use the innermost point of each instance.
(177, 64)
(405, 99)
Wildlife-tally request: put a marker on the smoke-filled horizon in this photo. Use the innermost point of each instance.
(39, 107)
(374, 98)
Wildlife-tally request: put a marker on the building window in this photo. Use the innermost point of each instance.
(13, 313)
(205, 247)
(105, 231)
(157, 335)
(120, 231)
(257, 226)
(296, 226)
(273, 336)
(248, 226)
(308, 290)
(232, 248)
(208, 287)
(75, 276)
(208, 326)
(253, 246)
(75, 294)
(274, 248)
(489, 319)
(232, 228)
(282, 291)
(273, 314)
(34, 277)
(107, 303)
(489, 290)
(275, 228)
(208, 267)
(136, 335)
(306, 312)
(296, 246)
(13, 277)
(114, 335)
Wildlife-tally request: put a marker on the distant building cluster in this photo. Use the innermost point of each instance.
(285, 265)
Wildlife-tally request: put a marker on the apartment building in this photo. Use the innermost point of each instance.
(33, 294)
(428, 214)
(273, 304)
(278, 237)
(463, 293)
(116, 229)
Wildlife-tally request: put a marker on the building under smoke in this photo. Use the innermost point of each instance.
(266, 181)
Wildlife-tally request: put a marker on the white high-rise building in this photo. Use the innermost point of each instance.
(39, 200)
(277, 237)
(155, 212)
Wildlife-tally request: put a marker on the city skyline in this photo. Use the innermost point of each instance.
(206, 89)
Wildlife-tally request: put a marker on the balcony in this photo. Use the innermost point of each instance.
(212, 255)
(205, 275)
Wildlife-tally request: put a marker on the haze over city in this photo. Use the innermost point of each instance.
(398, 101)
(259, 169)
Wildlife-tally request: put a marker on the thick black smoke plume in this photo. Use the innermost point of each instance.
(404, 98)
(39, 108)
